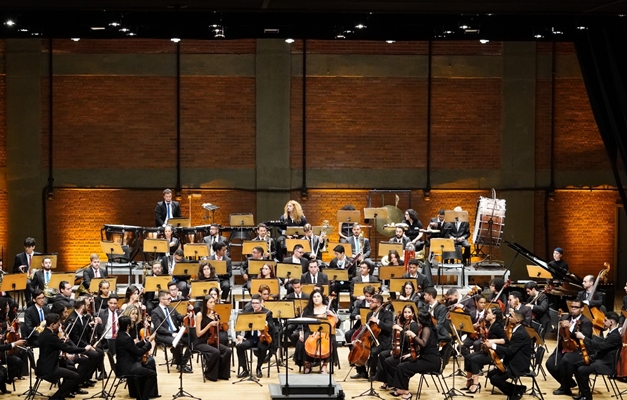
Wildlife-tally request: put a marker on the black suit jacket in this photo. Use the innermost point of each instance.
(404, 240)
(21, 259)
(526, 311)
(422, 280)
(323, 279)
(49, 347)
(443, 227)
(158, 316)
(317, 244)
(365, 251)
(128, 354)
(105, 316)
(161, 212)
(351, 269)
(59, 298)
(605, 350)
(597, 298)
(32, 320)
(88, 275)
(39, 280)
(304, 263)
(272, 249)
(462, 233)
(386, 321)
(541, 309)
(517, 354)
(81, 332)
(359, 279)
(292, 296)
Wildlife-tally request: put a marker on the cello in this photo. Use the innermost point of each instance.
(363, 338)
(318, 345)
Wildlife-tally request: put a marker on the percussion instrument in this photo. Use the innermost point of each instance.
(489, 221)
(152, 232)
(193, 234)
(124, 235)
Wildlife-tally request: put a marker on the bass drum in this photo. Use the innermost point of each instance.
(489, 222)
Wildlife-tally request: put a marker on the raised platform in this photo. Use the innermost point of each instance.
(309, 386)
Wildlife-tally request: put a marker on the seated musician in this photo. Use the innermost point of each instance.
(439, 312)
(41, 278)
(364, 275)
(561, 364)
(422, 281)
(355, 316)
(169, 262)
(344, 229)
(496, 284)
(132, 298)
(306, 352)
(170, 328)
(413, 229)
(48, 366)
(557, 261)
(392, 259)
(597, 298)
(473, 341)
(539, 304)
(406, 322)
(603, 360)
(297, 285)
(109, 326)
(213, 238)
(17, 361)
(474, 362)
(298, 257)
(248, 339)
(219, 254)
(455, 302)
(166, 209)
(206, 272)
(292, 216)
(439, 224)
(314, 275)
(429, 361)
(129, 352)
(65, 295)
(340, 261)
(34, 317)
(409, 293)
(316, 243)
(264, 295)
(623, 308)
(173, 243)
(257, 254)
(384, 319)
(139, 319)
(399, 237)
(93, 271)
(151, 299)
(264, 236)
(460, 232)
(514, 302)
(360, 246)
(104, 293)
(216, 353)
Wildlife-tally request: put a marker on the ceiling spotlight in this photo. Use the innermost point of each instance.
(390, 41)
(175, 39)
(271, 30)
(215, 26)
(22, 30)
(97, 28)
(360, 26)
(464, 27)
(340, 36)
(289, 40)
(35, 34)
(9, 22)
(538, 36)
(114, 24)
(124, 30)
(484, 41)
(448, 32)
(219, 33)
(556, 31)
(131, 34)
(582, 28)
(76, 39)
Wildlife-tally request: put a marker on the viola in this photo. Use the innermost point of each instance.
(15, 335)
(565, 342)
(582, 347)
(497, 298)
(189, 321)
(144, 333)
(214, 332)
(396, 341)
(414, 349)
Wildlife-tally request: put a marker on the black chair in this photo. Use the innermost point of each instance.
(442, 388)
(612, 378)
(117, 379)
(535, 390)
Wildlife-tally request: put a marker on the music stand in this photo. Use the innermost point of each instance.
(39, 258)
(14, 283)
(391, 272)
(250, 322)
(348, 216)
(385, 247)
(294, 231)
(318, 229)
(111, 249)
(464, 323)
(309, 287)
(281, 309)
(299, 305)
(272, 283)
(57, 278)
(185, 269)
(398, 305)
(396, 284)
(255, 266)
(157, 283)
(288, 271)
(156, 246)
(195, 250)
(248, 245)
(179, 222)
(241, 219)
(537, 272)
(440, 246)
(175, 343)
(290, 243)
(202, 288)
(358, 288)
(94, 284)
(347, 248)
(336, 274)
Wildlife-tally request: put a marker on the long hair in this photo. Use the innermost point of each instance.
(498, 314)
(413, 287)
(412, 214)
(205, 309)
(272, 276)
(424, 319)
(201, 275)
(129, 291)
(403, 321)
(310, 304)
(129, 309)
(297, 213)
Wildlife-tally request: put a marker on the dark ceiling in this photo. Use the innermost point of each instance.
(324, 19)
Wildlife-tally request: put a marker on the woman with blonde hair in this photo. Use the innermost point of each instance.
(292, 216)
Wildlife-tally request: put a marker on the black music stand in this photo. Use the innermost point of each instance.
(177, 342)
(459, 322)
(443, 245)
(370, 392)
(375, 213)
(250, 322)
(281, 310)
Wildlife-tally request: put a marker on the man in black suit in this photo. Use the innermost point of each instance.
(48, 363)
(169, 329)
(514, 301)
(517, 359)
(399, 237)
(213, 238)
(314, 276)
(169, 263)
(298, 258)
(439, 312)
(357, 247)
(603, 361)
(361, 302)
(65, 295)
(564, 369)
(93, 271)
(340, 261)
(384, 319)
(315, 243)
(422, 281)
(264, 236)
(539, 304)
(460, 232)
(4, 374)
(23, 259)
(364, 274)
(219, 254)
(248, 339)
(166, 209)
(297, 286)
(597, 298)
(109, 326)
(33, 317)
(42, 277)
(129, 355)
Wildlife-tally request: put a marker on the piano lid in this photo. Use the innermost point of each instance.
(557, 273)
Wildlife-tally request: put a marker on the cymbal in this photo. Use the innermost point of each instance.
(430, 230)
(393, 226)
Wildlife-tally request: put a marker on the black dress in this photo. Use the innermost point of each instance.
(474, 362)
(428, 361)
(217, 361)
(388, 363)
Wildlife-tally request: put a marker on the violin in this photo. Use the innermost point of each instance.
(414, 349)
(144, 333)
(582, 347)
(564, 340)
(15, 335)
(214, 332)
(396, 341)
(189, 321)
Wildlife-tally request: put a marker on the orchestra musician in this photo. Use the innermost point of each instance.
(439, 312)
(438, 223)
(514, 302)
(220, 254)
(166, 209)
(34, 317)
(104, 292)
(516, 358)
(561, 364)
(174, 243)
(298, 257)
(384, 319)
(139, 319)
(206, 272)
(129, 352)
(218, 355)
(477, 315)
(48, 367)
(603, 361)
(246, 340)
(495, 285)
(297, 285)
(314, 275)
(340, 261)
(359, 245)
(557, 261)
(256, 254)
(584, 295)
(17, 364)
(169, 262)
(406, 322)
(132, 298)
(392, 259)
(422, 281)
(264, 236)
(539, 304)
(316, 243)
(42, 277)
(109, 326)
(474, 362)
(399, 237)
(460, 232)
(292, 216)
(359, 303)
(413, 229)
(429, 360)
(366, 267)
(169, 329)
(454, 302)
(344, 229)
(4, 294)
(23, 260)
(409, 293)
(65, 295)
(93, 271)
(317, 307)
(213, 238)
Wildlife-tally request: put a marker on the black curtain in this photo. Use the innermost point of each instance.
(602, 54)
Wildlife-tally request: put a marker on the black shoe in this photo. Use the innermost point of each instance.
(560, 392)
(187, 369)
(242, 374)
(4, 391)
(81, 391)
(583, 397)
(359, 375)
(71, 395)
(259, 374)
(93, 382)
(101, 376)
(522, 390)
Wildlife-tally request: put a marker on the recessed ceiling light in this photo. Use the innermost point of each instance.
(289, 40)
(9, 22)
(76, 39)
(390, 41)
(175, 39)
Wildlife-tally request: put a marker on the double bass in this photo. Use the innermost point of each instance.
(363, 338)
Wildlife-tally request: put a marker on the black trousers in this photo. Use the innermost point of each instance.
(262, 350)
(217, 361)
(583, 372)
(145, 381)
(71, 380)
(565, 369)
(499, 379)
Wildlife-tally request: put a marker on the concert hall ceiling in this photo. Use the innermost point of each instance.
(319, 19)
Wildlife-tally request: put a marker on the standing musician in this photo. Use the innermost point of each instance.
(264, 236)
(539, 304)
(439, 312)
(422, 281)
(314, 275)
(474, 362)
(359, 245)
(219, 254)
(584, 295)
(514, 302)
(169, 329)
(174, 243)
(48, 367)
(217, 354)
(109, 327)
(604, 359)
(384, 319)
(166, 209)
(516, 358)
(247, 339)
(34, 317)
(413, 229)
(359, 303)
(388, 359)
(429, 360)
(340, 261)
(129, 352)
(399, 237)
(561, 364)
(496, 284)
(23, 260)
(292, 216)
(317, 307)
(104, 293)
(93, 271)
(439, 223)
(557, 261)
(42, 277)
(213, 238)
